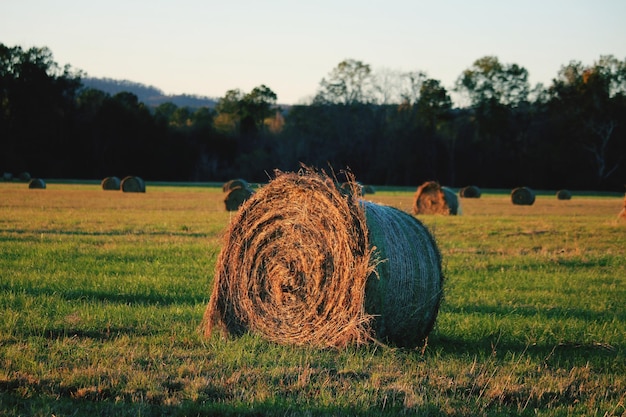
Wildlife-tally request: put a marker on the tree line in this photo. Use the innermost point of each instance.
(388, 127)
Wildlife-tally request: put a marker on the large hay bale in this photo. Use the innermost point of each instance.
(7, 176)
(563, 195)
(523, 196)
(24, 176)
(297, 259)
(236, 197)
(470, 191)
(111, 183)
(235, 183)
(37, 183)
(131, 184)
(432, 198)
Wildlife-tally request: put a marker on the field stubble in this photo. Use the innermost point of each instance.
(102, 294)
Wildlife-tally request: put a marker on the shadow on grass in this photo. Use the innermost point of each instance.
(107, 233)
(130, 299)
(12, 403)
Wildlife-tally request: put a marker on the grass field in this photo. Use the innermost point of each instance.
(102, 294)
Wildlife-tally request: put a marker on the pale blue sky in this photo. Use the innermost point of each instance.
(208, 47)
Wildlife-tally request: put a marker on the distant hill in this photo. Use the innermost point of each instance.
(149, 95)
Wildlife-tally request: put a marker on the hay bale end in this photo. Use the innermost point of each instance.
(523, 196)
(470, 191)
(132, 184)
(111, 183)
(235, 183)
(432, 198)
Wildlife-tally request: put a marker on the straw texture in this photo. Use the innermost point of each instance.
(296, 261)
(432, 198)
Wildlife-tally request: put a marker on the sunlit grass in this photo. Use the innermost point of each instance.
(102, 295)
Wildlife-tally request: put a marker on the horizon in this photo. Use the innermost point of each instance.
(207, 48)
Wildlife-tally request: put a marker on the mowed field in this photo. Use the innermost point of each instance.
(102, 295)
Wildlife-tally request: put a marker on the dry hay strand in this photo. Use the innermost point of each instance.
(37, 183)
(295, 264)
(111, 183)
(235, 183)
(404, 294)
(236, 197)
(432, 198)
(523, 196)
(131, 184)
(470, 191)
(563, 195)
(352, 188)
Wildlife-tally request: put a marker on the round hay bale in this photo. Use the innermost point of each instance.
(296, 261)
(7, 176)
(368, 189)
(235, 183)
(470, 191)
(131, 184)
(432, 198)
(523, 196)
(236, 197)
(24, 176)
(563, 195)
(37, 183)
(111, 183)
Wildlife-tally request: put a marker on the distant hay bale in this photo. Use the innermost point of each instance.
(368, 189)
(563, 195)
(37, 183)
(298, 266)
(452, 201)
(470, 191)
(235, 183)
(24, 176)
(236, 197)
(7, 176)
(111, 183)
(523, 196)
(131, 184)
(432, 198)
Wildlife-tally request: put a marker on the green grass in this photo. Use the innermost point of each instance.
(102, 294)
